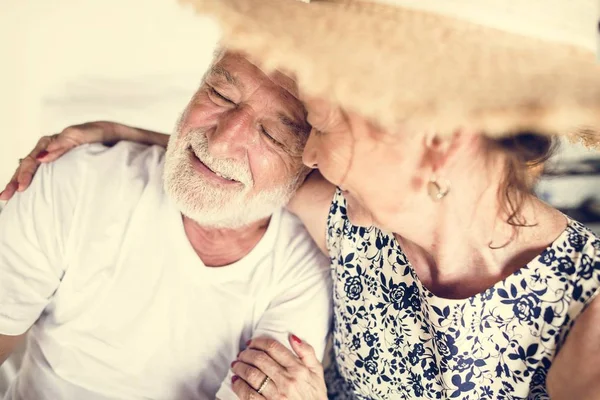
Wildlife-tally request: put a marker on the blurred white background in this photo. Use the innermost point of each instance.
(71, 61)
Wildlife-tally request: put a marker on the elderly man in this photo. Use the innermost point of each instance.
(141, 275)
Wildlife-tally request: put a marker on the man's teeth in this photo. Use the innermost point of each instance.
(217, 173)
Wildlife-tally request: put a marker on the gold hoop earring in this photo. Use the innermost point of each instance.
(437, 190)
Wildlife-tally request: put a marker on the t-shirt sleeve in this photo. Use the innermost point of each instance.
(34, 227)
(302, 305)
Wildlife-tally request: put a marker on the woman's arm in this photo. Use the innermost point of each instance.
(311, 204)
(124, 132)
(50, 148)
(575, 372)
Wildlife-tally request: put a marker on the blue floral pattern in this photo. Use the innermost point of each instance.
(394, 339)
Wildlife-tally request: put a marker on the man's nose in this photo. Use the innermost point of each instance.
(235, 132)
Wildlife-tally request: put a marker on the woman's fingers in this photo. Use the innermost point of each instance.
(27, 168)
(278, 352)
(25, 173)
(41, 147)
(255, 378)
(9, 190)
(264, 363)
(244, 391)
(56, 149)
(291, 377)
(29, 165)
(307, 355)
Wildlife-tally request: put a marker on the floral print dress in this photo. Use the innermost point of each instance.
(394, 339)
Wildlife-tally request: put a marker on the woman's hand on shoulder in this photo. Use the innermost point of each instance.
(50, 148)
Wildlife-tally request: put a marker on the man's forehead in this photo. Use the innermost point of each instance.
(285, 81)
(235, 63)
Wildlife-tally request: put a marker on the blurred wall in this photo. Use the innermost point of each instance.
(71, 61)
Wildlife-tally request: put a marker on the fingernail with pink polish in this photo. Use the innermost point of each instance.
(41, 155)
(234, 378)
(296, 339)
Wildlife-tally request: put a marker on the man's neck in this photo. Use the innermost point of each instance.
(221, 247)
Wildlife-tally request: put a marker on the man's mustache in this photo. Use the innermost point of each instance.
(227, 168)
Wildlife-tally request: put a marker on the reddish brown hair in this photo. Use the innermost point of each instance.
(525, 153)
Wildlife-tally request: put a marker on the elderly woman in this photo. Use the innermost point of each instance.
(451, 279)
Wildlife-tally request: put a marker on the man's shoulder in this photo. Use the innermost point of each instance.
(98, 173)
(294, 243)
(297, 264)
(122, 156)
(291, 229)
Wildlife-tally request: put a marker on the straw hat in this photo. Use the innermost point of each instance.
(499, 66)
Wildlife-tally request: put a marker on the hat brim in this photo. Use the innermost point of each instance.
(418, 70)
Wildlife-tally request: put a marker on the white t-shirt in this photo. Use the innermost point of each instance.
(95, 257)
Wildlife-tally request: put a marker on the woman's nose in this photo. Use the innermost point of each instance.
(309, 157)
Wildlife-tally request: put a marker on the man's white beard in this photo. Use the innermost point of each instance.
(211, 205)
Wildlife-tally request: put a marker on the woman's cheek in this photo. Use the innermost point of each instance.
(339, 164)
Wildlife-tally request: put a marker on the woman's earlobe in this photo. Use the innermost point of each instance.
(430, 139)
(439, 144)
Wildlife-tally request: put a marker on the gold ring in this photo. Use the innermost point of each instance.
(263, 385)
